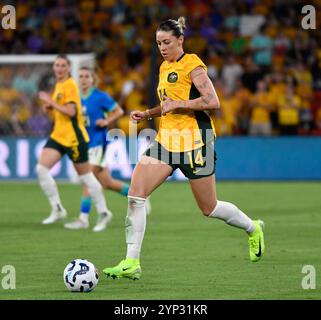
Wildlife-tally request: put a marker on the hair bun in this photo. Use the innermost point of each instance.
(182, 23)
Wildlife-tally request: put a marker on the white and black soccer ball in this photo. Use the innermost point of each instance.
(80, 275)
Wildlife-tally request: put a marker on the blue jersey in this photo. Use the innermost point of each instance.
(95, 107)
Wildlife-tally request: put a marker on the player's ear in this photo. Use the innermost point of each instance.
(181, 40)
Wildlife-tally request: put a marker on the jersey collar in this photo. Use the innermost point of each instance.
(181, 57)
(89, 94)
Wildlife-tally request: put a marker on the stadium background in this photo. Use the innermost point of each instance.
(270, 92)
(269, 127)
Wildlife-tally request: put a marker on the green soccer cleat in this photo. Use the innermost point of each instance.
(256, 241)
(128, 268)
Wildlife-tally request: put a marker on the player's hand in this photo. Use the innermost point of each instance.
(168, 105)
(137, 116)
(101, 123)
(45, 97)
(46, 107)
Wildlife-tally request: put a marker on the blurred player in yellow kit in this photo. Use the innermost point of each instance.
(68, 136)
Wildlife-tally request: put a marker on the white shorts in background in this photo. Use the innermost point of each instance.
(97, 156)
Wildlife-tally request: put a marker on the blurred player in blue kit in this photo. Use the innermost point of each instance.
(99, 110)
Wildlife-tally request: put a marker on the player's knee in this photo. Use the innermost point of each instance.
(97, 171)
(105, 180)
(105, 185)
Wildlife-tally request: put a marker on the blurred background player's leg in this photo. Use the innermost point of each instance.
(107, 182)
(83, 221)
(96, 193)
(48, 158)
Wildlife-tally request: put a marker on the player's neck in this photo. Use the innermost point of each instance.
(86, 91)
(63, 79)
(177, 56)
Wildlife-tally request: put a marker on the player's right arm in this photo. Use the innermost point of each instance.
(68, 109)
(114, 115)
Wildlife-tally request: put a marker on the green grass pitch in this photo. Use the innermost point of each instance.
(185, 255)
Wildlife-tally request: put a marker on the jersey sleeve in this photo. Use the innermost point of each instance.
(107, 102)
(71, 92)
(193, 63)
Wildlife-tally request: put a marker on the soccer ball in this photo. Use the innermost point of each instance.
(80, 275)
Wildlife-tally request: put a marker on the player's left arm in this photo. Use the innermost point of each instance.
(113, 116)
(208, 99)
(69, 109)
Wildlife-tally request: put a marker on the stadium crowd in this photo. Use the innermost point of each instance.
(265, 67)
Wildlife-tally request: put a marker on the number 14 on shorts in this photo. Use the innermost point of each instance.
(197, 160)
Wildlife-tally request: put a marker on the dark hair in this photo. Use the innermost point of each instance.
(177, 27)
(63, 56)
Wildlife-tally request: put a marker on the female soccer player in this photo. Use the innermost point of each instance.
(69, 137)
(186, 141)
(95, 106)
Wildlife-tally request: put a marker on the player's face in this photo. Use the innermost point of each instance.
(85, 79)
(169, 46)
(61, 69)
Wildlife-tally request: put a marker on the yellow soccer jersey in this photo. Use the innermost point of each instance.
(68, 131)
(182, 130)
